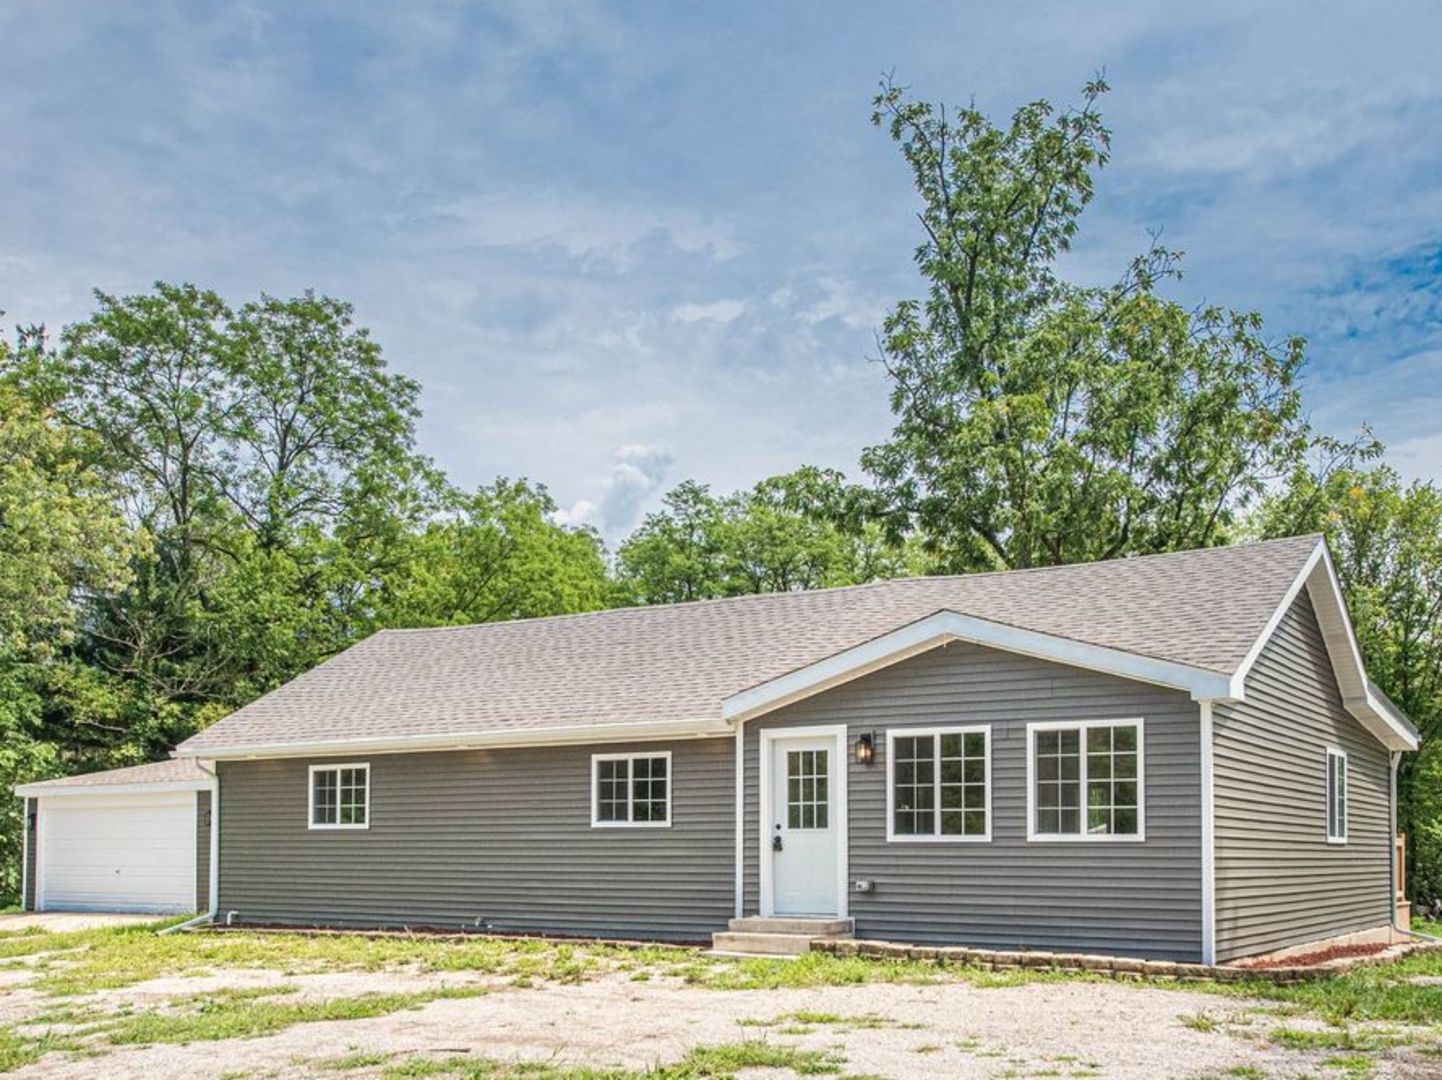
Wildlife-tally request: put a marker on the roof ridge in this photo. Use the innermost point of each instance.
(878, 583)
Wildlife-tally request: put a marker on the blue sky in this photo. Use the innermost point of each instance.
(626, 244)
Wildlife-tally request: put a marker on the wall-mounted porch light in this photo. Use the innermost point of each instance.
(865, 749)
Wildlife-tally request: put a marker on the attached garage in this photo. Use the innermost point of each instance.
(134, 839)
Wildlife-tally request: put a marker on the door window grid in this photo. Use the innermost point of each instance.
(807, 798)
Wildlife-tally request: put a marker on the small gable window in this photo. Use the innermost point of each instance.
(631, 789)
(340, 796)
(1336, 796)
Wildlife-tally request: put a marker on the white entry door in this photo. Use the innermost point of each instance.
(804, 826)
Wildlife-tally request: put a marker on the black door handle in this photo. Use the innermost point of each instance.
(776, 842)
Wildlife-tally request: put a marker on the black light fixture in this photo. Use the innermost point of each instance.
(865, 749)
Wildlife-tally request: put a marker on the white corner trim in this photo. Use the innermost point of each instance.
(27, 902)
(570, 735)
(740, 838)
(945, 626)
(1084, 837)
(596, 759)
(335, 767)
(892, 734)
(96, 791)
(1209, 838)
(838, 733)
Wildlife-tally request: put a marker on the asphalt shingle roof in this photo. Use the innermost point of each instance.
(160, 772)
(680, 662)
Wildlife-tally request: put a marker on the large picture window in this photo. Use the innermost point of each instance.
(631, 789)
(340, 796)
(1085, 781)
(1336, 797)
(939, 783)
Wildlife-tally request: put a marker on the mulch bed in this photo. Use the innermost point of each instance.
(1321, 956)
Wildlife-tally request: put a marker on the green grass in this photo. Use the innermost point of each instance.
(702, 1063)
(247, 1014)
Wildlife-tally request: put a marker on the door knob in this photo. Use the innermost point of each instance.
(776, 842)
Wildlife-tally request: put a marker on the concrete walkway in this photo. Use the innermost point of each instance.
(60, 921)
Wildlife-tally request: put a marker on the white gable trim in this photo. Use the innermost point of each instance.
(1319, 577)
(946, 626)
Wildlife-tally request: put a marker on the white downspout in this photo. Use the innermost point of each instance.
(209, 916)
(740, 819)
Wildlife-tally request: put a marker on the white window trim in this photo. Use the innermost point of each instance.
(310, 821)
(596, 759)
(1084, 837)
(1341, 755)
(893, 837)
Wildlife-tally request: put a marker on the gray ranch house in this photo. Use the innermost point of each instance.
(1176, 757)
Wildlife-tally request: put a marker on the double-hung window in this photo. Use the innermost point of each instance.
(631, 789)
(938, 783)
(340, 796)
(1085, 781)
(1336, 796)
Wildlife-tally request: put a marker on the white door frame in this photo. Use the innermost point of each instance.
(837, 733)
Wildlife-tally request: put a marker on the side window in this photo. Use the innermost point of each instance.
(631, 789)
(1336, 796)
(340, 796)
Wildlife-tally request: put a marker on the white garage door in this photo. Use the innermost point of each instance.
(117, 853)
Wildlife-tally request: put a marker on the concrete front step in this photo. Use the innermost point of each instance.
(746, 943)
(757, 936)
(756, 924)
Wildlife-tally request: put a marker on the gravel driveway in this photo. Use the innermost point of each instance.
(888, 1030)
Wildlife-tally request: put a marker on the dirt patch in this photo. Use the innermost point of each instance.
(892, 1030)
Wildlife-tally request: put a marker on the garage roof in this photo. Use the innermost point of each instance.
(176, 774)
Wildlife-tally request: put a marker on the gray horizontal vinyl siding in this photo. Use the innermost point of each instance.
(202, 851)
(1278, 881)
(1137, 898)
(499, 839)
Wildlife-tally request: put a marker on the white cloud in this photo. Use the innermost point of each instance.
(721, 311)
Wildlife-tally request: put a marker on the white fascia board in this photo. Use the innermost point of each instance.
(945, 626)
(1319, 577)
(1239, 677)
(579, 735)
(1374, 714)
(42, 790)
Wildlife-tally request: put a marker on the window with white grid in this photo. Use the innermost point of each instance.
(1085, 781)
(631, 789)
(340, 796)
(939, 783)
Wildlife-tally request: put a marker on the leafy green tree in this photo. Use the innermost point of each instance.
(1386, 538)
(807, 529)
(496, 554)
(61, 536)
(1040, 422)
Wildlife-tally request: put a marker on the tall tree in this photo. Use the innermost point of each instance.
(1040, 422)
(807, 529)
